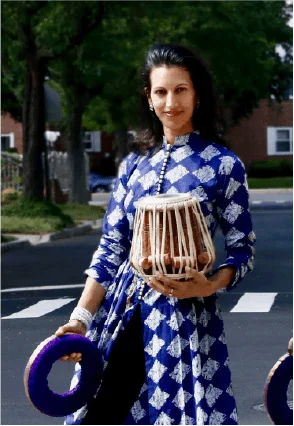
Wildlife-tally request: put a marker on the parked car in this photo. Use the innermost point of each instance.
(99, 183)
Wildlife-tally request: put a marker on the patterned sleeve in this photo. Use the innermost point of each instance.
(235, 218)
(115, 243)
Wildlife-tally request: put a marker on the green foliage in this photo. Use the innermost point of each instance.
(237, 40)
(24, 208)
(99, 69)
(8, 195)
(31, 225)
(83, 212)
(270, 168)
(270, 183)
(12, 150)
(27, 216)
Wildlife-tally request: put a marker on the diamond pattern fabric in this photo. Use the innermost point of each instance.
(188, 380)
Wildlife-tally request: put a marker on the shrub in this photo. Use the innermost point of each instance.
(9, 194)
(11, 150)
(270, 168)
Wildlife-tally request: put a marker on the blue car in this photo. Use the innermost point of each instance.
(99, 183)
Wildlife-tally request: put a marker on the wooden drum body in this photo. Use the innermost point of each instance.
(170, 233)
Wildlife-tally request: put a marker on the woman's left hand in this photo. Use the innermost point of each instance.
(197, 285)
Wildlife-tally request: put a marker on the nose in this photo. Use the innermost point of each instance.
(171, 101)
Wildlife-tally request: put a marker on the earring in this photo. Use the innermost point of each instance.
(151, 107)
(198, 104)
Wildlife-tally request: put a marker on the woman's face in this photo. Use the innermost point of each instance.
(173, 97)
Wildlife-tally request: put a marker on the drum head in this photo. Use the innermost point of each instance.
(39, 367)
(275, 391)
(165, 199)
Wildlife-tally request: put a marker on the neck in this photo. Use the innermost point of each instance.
(171, 134)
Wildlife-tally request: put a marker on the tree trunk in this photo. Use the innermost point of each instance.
(79, 192)
(33, 130)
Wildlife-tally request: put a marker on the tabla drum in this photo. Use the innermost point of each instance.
(276, 389)
(170, 233)
(40, 364)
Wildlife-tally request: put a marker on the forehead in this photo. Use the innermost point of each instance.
(169, 76)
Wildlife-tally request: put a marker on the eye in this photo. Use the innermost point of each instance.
(159, 92)
(181, 89)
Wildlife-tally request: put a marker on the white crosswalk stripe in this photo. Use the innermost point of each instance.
(230, 303)
(39, 309)
(255, 302)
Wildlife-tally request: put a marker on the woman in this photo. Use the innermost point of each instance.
(166, 359)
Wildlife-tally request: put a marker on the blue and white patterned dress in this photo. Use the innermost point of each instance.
(187, 367)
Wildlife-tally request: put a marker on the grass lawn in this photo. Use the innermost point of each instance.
(30, 217)
(270, 183)
(83, 212)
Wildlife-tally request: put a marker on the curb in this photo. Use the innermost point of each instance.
(265, 205)
(14, 244)
(32, 240)
(79, 230)
(271, 190)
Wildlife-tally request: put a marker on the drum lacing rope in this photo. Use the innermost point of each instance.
(157, 241)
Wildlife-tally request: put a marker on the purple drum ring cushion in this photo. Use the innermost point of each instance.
(39, 367)
(275, 391)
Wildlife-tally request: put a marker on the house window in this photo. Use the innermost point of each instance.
(283, 143)
(7, 141)
(279, 140)
(88, 143)
(92, 141)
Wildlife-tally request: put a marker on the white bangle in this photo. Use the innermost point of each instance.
(81, 314)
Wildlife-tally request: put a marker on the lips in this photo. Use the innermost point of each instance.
(173, 114)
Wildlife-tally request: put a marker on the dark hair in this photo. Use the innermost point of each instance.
(207, 119)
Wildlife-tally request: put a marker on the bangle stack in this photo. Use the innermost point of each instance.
(82, 315)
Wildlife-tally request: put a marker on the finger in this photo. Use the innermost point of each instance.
(193, 273)
(59, 332)
(63, 330)
(158, 286)
(165, 280)
(77, 356)
(64, 358)
(168, 282)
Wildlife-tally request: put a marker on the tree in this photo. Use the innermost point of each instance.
(237, 39)
(33, 34)
(93, 52)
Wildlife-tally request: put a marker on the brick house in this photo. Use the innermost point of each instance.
(99, 145)
(266, 134)
(11, 133)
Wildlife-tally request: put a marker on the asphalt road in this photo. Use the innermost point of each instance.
(255, 339)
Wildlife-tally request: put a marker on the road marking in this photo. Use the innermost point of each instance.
(44, 287)
(255, 302)
(39, 309)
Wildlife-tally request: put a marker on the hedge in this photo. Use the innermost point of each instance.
(270, 168)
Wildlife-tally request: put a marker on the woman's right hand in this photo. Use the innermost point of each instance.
(76, 327)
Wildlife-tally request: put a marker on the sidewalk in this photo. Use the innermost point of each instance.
(271, 198)
(257, 197)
